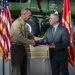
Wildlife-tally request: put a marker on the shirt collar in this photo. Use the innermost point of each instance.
(22, 20)
(56, 26)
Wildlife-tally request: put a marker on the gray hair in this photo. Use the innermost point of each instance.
(25, 10)
(56, 15)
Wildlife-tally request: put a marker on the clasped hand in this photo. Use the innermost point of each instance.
(32, 42)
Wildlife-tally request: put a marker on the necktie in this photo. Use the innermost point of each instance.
(53, 31)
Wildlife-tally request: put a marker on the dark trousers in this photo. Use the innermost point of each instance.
(59, 66)
(18, 60)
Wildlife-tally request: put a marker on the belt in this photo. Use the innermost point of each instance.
(18, 44)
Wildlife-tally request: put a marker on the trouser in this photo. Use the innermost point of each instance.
(18, 60)
(59, 66)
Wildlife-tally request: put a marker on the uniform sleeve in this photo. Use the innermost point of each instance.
(30, 35)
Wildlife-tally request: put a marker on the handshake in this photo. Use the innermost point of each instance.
(42, 42)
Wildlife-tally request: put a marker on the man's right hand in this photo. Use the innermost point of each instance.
(32, 42)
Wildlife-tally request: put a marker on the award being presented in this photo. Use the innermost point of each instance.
(42, 42)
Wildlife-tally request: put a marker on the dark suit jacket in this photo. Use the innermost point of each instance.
(61, 40)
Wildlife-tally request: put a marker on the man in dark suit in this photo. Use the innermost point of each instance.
(59, 37)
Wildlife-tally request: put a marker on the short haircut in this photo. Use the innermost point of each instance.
(25, 10)
(56, 15)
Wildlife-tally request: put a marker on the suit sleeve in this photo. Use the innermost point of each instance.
(46, 33)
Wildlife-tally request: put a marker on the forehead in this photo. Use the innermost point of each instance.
(29, 12)
(26, 12)
(52, 15)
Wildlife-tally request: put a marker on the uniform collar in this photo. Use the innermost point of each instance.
(22, 20)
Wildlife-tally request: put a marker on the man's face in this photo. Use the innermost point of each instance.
(27, 15)
(52, 19)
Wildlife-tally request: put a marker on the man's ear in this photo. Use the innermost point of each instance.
(56, 19)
